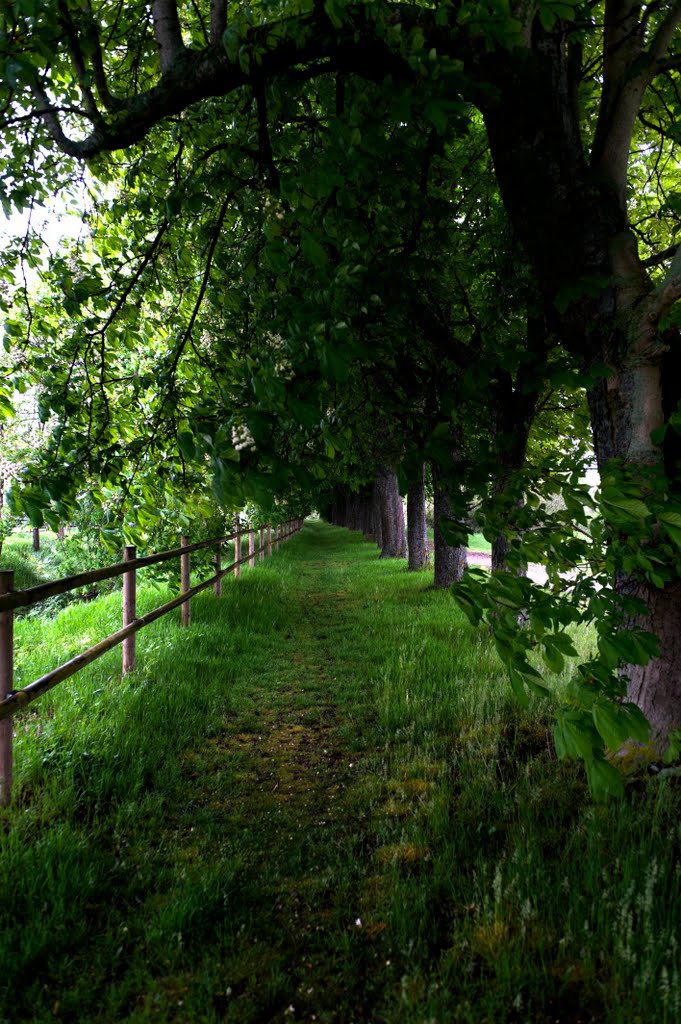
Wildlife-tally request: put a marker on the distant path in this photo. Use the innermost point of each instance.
(537, 573)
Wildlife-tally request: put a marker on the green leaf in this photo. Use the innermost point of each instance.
(34, 513)
(6, 408)
(574, 735)
(333, 366)
(536, 687)
(231, 39)
(456, 534)
(612, 723)
(673, 751)
(553, 658)
(313, 251)
(632, 507)
(472, 609)
(562, 643)
(604, 780)
(334, 10)
(185, 442)
(518, 687)
(672, 525)
(609, 652)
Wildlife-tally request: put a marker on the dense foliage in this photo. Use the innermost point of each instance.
(321, 239)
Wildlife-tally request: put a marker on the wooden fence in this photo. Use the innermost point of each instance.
(12, 701)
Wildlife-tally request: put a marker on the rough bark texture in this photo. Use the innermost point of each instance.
(376, 515)
(450, 562)
(393, 537)
(417, 530)
(656, 687)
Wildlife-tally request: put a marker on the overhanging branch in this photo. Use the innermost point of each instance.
(305, 44)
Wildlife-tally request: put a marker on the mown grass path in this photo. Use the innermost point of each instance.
(320, 804)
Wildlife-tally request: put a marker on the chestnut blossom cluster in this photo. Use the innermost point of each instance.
(273, 209)
(283, 367)
(242, 438)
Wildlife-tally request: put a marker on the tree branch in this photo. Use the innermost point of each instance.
(669, 291)
(218, 20)
(189, 76)
(98, 75)
(167, 32)
(663, 37)
(78, 60)
(660, 257)
(197, 305)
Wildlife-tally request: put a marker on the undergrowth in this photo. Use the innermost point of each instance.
(319, 803)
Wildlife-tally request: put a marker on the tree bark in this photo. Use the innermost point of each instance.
(376, 515)
(391, 512)
(656, 687)
(450, 562)
(417, 530)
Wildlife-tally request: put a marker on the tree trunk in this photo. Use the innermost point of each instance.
(376, 516)
(366, 515)
(625, 409)
(391, 511)
(656, 687)
(417, 530)
(512, 408)
(571, 216)
(36, 539)
(450, 562)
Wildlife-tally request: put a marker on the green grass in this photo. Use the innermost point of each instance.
(28, 566)
(319, 803)
(476, 542)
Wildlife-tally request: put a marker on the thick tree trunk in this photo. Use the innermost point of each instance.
(450, 562)
(634, 401)
(367, 521)
(598, 299)
(376, 515)
(656, 687)
(417, 530)
(391, 512)
(512, 409)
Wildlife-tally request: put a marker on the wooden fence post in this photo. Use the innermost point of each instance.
(129, 609)
(6, 686)
(217, 586)
(269, 540)
(237, 548)
(261, 546)
(185, 583)
(251, 547)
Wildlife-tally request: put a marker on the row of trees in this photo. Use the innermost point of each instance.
(334, 241)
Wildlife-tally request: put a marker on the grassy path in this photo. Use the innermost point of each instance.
(319, 804)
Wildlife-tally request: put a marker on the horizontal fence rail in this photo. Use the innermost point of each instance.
(12, 701)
